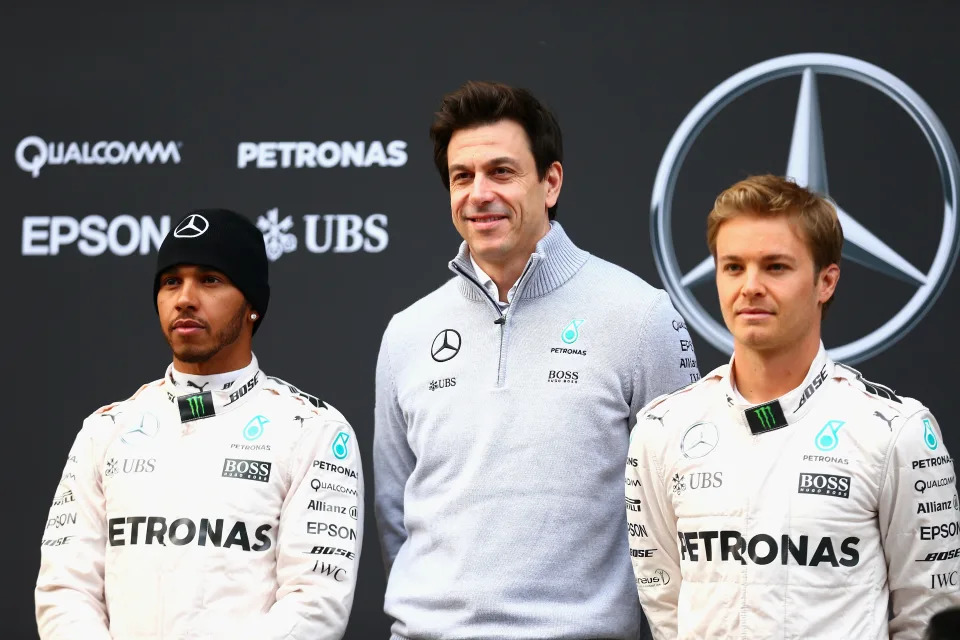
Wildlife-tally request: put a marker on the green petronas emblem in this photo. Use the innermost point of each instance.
(827, 439)
(571, 332)
(929, 437)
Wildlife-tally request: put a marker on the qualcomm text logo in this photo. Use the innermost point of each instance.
(33, 153)
(299, 155)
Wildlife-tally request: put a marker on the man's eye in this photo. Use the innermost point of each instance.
(169, 282)
(211, 279)
(459, 177)
(731, 267)
(778, 266)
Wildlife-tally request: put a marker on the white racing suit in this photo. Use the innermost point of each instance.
(226, 513)
(831, 512)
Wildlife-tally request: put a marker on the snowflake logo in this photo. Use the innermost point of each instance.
(111, 467)
(433, 385)
(679, 485)
(275, 234)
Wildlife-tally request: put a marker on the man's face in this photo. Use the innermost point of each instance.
(769, 293)
(498, 203)
(201, 312)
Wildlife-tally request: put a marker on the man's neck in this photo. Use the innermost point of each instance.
(507, 271)
(504, 275)
(220, 363)
(761, 376)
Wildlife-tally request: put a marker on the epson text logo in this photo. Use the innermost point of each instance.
(93, 235)
(328, 154)
(33, 153)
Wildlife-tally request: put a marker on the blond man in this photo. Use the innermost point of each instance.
(784, 496)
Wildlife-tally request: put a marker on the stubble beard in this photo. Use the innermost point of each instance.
(195, 354)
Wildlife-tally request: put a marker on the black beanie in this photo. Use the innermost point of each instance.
(223, 240)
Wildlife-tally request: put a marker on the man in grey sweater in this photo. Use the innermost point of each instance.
(505, 400)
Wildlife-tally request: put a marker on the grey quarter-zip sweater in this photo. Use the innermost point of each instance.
(500, 442)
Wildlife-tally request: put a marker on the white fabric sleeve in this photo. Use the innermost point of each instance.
(69, 594)
(316, 567)
(393, 460)
(652, 530)
(918, 503)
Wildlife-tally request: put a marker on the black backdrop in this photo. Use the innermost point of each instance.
(81, 331)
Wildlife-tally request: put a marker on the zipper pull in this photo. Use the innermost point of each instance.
(502, 320)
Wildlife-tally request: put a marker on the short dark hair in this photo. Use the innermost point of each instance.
(479, 103)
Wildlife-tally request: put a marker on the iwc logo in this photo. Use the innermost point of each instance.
(446, 345)
(807, 165)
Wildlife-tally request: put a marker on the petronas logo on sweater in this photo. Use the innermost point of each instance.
(571, 333)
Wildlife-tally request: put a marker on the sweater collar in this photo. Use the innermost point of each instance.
(555, 260)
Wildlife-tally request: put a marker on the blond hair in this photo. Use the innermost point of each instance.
(770, 195)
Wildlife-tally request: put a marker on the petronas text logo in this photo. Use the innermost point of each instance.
(765, 415)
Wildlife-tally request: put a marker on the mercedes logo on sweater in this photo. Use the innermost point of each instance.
(446, 345)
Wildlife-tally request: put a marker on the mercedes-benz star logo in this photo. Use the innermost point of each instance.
(699, 440)
(807, 165)
(146, 428)
(445, 345)
(192, 226)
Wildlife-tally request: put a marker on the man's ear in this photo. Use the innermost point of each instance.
(827, 282)
(553, 178)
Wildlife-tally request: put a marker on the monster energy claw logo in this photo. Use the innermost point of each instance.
(765, 415)
(340, 445)
(196, 405)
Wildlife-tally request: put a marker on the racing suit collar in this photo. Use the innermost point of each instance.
(200, 397)
(555, 260)
(785, 410)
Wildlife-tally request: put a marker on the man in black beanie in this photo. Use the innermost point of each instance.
(216, 502)
(224, 254)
